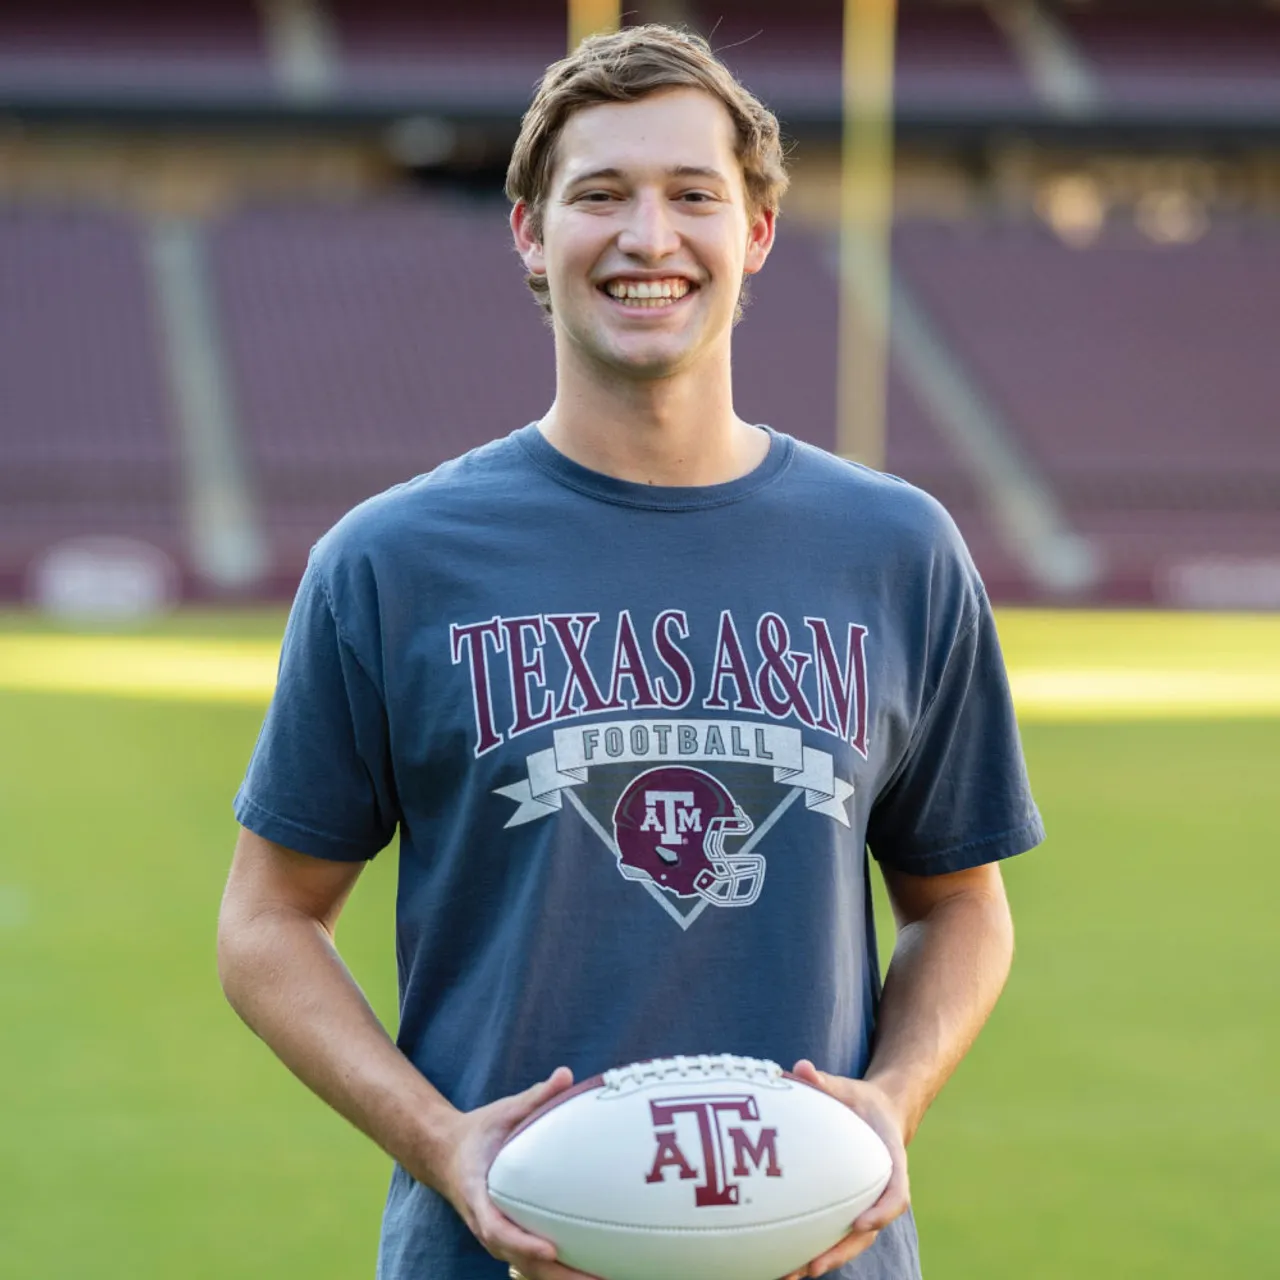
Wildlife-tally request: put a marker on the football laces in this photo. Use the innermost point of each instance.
(703, 1066)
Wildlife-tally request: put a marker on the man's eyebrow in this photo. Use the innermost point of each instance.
(697, 171)
(676, 171)
(593, 174)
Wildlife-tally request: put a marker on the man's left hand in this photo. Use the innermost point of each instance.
(876, 1108)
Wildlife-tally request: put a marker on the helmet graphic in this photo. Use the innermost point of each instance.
(670, 825)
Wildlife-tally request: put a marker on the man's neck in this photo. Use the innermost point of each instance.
(678, 431)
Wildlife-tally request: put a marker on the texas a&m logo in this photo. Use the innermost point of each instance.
(714, 1118)
(645, 744)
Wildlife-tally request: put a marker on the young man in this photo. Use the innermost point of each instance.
(638, 685)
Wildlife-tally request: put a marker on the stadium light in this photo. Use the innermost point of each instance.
(866, 217)
(591, 17)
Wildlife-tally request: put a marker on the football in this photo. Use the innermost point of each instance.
(690, 1168)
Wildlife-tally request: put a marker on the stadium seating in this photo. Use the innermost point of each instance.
(86, 433)
(130, 47)
(1141, 378)
(950, 57)
(784, 374)
(370, 344)
(1186, 58)
(387, 47)
(366, 342)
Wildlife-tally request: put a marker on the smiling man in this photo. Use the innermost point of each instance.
(638, 685)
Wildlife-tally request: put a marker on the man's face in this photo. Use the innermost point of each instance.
(645, 233)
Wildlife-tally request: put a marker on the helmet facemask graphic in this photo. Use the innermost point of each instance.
(670, 826)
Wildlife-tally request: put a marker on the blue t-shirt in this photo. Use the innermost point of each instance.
(636, 741)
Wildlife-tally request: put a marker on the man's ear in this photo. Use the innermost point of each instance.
(759, 240)
(528, 245)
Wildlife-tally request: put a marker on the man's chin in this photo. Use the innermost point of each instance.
(647, 361)
(637, 357)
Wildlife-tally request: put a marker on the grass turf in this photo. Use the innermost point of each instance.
(1117, 1118)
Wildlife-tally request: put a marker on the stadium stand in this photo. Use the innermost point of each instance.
(389, 47)
(784, 375)
(354, 367)
(947, 58)
(1142, 378)
(370, 344)
(85, 421)
(365, 341)
(950, 57)
(69, 48)
(1182, 57)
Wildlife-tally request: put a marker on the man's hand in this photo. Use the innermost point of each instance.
(478, 1136)
(875, 1107)
(285, 978)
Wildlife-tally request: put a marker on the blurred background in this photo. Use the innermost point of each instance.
(254, 268)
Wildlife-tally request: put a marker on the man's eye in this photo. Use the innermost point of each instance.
(697, 197)
(597, 197)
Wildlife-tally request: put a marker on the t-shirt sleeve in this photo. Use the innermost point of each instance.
(960, 797)
(320, 778)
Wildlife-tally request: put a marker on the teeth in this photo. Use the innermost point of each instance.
(648, 292)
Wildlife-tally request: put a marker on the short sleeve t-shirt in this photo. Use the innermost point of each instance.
(636, 742)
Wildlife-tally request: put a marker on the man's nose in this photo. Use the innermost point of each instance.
(649, 232)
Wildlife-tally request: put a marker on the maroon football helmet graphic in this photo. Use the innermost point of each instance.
(670, 826)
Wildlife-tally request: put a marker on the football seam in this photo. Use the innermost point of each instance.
(727, 1229)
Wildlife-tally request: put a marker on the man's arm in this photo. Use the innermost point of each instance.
(949, 965)
(954, 949)
(283, 975)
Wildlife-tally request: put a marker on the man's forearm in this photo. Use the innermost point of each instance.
(947, 971)
(284, 977)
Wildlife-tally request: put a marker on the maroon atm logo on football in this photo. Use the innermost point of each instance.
(728, 1149)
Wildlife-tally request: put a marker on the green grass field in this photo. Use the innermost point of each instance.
(1118, 1118)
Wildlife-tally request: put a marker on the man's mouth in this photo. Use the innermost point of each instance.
(650, 294)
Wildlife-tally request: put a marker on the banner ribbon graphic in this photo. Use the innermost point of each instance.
(575, 751)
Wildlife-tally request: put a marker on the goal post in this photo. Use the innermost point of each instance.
(592, 17)
(866, 219)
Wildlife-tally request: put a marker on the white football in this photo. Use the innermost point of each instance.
(706, 1168)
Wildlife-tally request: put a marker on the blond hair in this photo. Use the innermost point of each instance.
(624, 67)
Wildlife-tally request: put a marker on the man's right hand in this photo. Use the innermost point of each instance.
(478, 1136)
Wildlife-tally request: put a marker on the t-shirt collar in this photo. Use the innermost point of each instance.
(596, 484)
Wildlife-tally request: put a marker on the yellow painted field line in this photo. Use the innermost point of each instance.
(1117, 693)
(1130, 639)
(243, 671)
